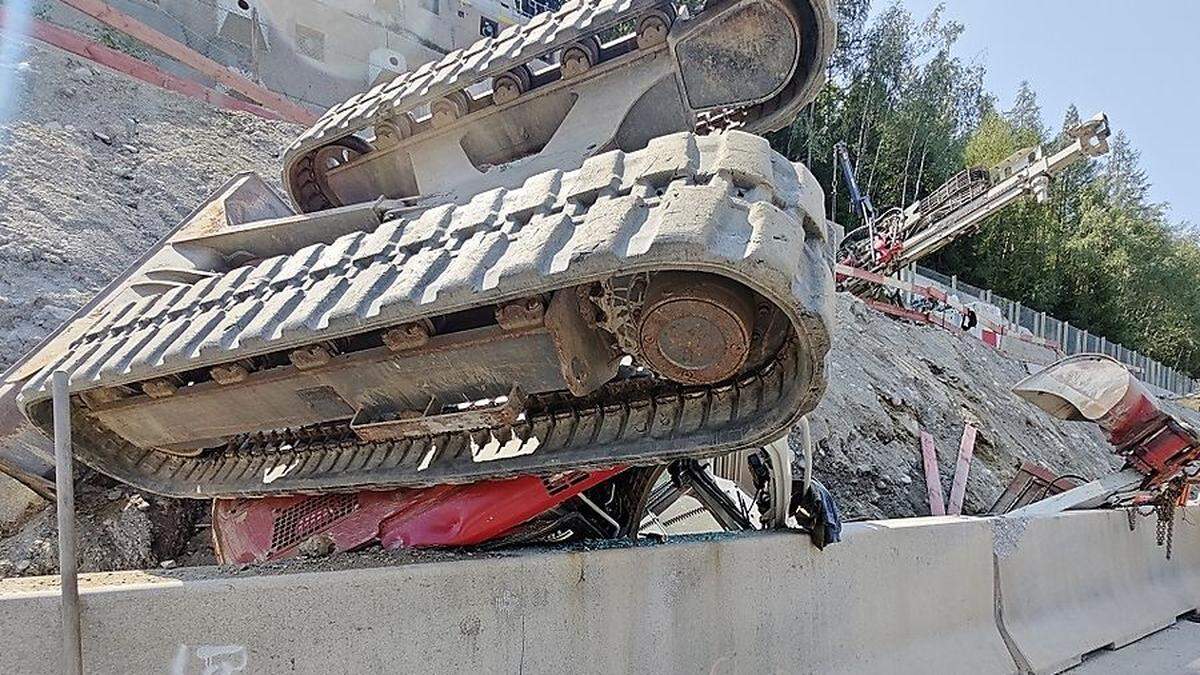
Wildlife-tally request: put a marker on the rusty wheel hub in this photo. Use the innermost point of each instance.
(696, 329)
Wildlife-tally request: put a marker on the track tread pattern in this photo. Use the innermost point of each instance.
(605, 217)
(725, 204)
(515, 46)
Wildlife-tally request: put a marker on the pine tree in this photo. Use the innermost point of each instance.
(1026, 114)
(1125, 181)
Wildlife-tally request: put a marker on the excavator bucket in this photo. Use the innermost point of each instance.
(1092, 388)
(1099, 389)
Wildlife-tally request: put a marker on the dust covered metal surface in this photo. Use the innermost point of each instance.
(725, 205)
(590, 76)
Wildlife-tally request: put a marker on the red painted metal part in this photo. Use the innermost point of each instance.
(933, 476)
(899, 312)
(958, 488)
(1032, 483)
(1096, 388)
(260, 530)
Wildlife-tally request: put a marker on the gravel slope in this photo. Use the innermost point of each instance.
(889, 379)
(94, 167)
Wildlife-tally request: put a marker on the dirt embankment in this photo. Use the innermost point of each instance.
(888, 380)
(95, 167)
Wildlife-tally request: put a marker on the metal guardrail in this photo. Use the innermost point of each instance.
(1074, 340)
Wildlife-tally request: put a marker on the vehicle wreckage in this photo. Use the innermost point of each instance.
(543, 287)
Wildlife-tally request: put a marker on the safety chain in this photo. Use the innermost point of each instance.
(1164, 507)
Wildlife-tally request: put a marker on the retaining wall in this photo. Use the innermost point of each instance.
(896, 596)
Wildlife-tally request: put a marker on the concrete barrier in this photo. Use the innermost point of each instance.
(924, 595)
(1078, 582)
(896, 596)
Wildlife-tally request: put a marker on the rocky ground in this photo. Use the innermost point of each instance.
(888, 380)
(94, 167)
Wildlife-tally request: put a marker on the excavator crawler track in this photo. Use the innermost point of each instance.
(593, 76)
(415, 353)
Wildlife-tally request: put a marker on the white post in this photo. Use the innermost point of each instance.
(72, 659)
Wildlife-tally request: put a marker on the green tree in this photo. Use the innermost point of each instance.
(1099, 252)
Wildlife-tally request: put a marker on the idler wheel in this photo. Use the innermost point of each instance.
(696, 328)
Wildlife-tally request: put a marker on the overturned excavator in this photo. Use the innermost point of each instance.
(560, 249)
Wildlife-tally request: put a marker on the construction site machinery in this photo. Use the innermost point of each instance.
(1161, 452)
(520, 260)
(683, 497)
(885, 244)
(589, 78)
(859, 200)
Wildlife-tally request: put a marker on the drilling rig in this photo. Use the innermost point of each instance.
(886, 243)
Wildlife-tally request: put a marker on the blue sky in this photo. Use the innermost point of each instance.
(1139, 61)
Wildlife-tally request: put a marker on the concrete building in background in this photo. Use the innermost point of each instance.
(318, 52)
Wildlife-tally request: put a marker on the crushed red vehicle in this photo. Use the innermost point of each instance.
(258, 530)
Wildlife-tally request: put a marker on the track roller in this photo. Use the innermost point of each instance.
(508, 86)
(578, 58)
(652, 30)
(446, 110)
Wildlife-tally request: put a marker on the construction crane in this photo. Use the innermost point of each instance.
(887, 243)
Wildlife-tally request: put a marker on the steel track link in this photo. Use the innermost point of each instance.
(564, 436)
(515, 46)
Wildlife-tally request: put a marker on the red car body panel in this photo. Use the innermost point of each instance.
(272, 528)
